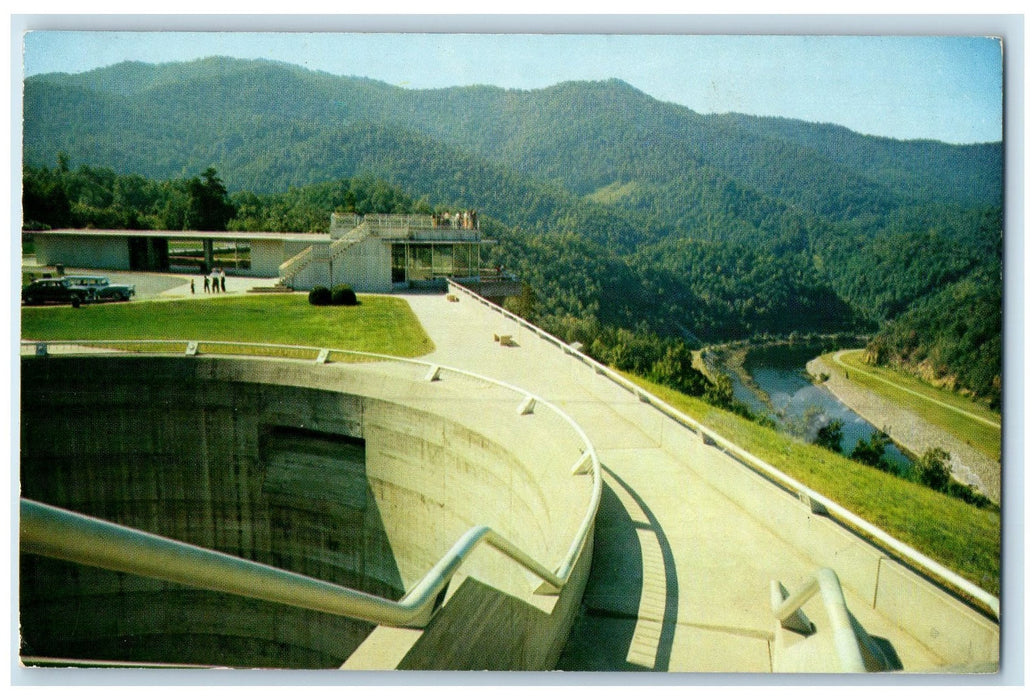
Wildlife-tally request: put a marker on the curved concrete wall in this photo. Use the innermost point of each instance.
(362, 475)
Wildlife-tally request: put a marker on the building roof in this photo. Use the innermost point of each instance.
(188, 235)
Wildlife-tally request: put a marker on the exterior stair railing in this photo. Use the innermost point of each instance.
(54, 532)
(290, 268)
(350, 239)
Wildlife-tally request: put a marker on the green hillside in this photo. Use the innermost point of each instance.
(708, 226)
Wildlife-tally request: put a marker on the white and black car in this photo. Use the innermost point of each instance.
(98, 288)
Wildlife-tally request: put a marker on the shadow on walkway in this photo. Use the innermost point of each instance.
(628, 616)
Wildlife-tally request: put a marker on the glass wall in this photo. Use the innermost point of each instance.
(418, 262)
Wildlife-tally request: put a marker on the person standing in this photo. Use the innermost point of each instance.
(206, 282)
(222, 280)
(192, 286)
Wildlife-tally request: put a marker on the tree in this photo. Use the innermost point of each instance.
(829, 436)
(871, 451)
(933, 471)
(209, 208)
(524, 304)
(44, 201)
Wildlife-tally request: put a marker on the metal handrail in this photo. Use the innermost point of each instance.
(63, 534)
(825, 582)
(354, 236)
(413, 609)
(906, 552)
(290, 268)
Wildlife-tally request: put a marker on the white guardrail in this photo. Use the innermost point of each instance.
(819, 504)
(290, 268)
(62, 534)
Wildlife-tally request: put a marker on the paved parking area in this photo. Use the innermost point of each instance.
(153, 285)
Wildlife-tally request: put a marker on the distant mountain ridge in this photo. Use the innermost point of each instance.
(659, 190)
(552, 133)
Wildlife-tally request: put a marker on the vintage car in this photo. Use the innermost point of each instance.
(56, 290)
(98, 288)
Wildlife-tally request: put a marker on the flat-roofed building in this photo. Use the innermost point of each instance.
(374, 253)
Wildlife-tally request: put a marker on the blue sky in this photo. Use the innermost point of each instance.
(947, 88)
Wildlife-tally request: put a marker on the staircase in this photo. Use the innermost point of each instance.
(291, 269)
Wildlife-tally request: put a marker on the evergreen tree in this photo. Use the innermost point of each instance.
(210, 208)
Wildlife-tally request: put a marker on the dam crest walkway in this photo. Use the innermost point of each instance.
(683, 562)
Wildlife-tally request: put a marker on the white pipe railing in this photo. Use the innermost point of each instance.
(826, 583)
(818, 502)
(291, 267)
(59, 538)
(62, 534)
(348, 240)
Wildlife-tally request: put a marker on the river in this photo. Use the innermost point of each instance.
(783, 391)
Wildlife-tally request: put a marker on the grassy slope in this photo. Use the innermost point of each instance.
(963, 538)
(977, 433)
(377, 324)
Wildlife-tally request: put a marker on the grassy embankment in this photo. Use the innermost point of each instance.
(378, 324)
(972, 422)
(963, 538)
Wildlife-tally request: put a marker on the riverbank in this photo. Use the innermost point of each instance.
(911, 430)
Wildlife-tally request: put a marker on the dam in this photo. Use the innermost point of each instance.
(362, 475)
(699, 558)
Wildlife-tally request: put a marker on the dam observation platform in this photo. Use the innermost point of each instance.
(694, 534)
(703, 558)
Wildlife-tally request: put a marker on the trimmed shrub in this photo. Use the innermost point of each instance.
(342, 295)
(320, 296)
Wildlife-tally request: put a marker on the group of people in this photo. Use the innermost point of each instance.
(213, 282)
(467, 219)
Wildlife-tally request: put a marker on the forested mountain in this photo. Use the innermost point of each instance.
(618, 208)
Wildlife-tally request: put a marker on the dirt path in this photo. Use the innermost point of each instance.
(968, 414)
(912, 431)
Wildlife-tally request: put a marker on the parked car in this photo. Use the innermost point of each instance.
(98, 288)
(56, 290)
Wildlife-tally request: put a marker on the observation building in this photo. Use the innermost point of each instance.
(373, 253)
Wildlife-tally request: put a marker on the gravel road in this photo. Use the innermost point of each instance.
(912, 431)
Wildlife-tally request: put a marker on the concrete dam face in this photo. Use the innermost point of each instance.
(361, 475)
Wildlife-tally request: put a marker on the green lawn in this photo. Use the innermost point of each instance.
(970, 421)
(378, 324)
(963, 538)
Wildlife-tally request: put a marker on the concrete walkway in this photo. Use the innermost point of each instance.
(681, 570)
(235, 284)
